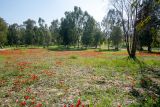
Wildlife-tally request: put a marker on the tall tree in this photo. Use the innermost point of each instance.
(129, 16)
(44, 33)
(67, 29)
(149, 10)
(29, 33)
(112, 19)
(116, 36)
(78, 21)
(98, 36)
(54, 29)
(89, 27)
(3, 32)
(13, 34)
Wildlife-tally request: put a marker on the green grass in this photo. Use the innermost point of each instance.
(101, 81)
(1, 58)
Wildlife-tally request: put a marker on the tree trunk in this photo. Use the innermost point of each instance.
(108, 44)
(149, 48)
(78, 44)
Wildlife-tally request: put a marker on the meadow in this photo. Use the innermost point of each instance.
(78, 78)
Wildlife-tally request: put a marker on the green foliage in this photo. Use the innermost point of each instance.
(3, 32)
(13, 35)
(116, 36)
(29, 33)
(88, 33)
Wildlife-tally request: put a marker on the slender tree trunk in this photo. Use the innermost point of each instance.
(108, 44)
(149, 48)
(134, 46)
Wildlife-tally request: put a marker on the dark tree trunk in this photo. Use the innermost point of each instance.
(108, 44)
(96, 46)
(78, 44)
(149, 48)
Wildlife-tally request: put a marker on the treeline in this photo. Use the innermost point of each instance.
(132, 24)
(77, 28)
(137, 20)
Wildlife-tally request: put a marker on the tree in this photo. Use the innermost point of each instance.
(112, 19)
(47, 36)
(3, 32)
(29, 33)
(149, 10)
(44, 33)
(129, 16)
(116, 36)
(22, 31)
(13, 34)
(88, 33)
(55, 32)
(97, 38)
(78, 21)
(67, 30)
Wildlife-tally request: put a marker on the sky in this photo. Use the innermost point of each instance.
(17, 11)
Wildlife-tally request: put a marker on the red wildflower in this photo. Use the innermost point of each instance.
(64, 106)
(34, 77)
(32, 103)
(82, 105)
(71, 105)
(26, 97)
(78, 103)
(23, 103)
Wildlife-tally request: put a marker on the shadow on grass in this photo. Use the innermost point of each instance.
(150, 84)
(145, 51)
(106, 50)
(62, 48)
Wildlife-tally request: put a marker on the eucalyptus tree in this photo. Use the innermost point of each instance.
(68, 30)
(29, 33)
(3, 32)
(78, 22)
(98, 37)
(116, 36)
(13, 34)
(89, 28)
(55, 31)
(149, 10)
(129, 16)
(111, 20)
(44, 33)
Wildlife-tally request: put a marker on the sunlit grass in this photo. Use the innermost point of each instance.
(60, 77)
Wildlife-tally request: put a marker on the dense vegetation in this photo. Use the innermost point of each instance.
(79, 29)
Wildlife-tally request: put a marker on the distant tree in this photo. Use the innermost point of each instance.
(89, 27)
(3, 32)
(55, 32)
(22, 32)
(112, 19)
(67, 30)
(36, 35)
(44, 33)
(98, 38)
(47, 36)
(116, 36)
(78, 22)
(13, 34)
(29, 33)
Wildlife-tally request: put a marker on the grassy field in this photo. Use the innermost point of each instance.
(94, 78)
